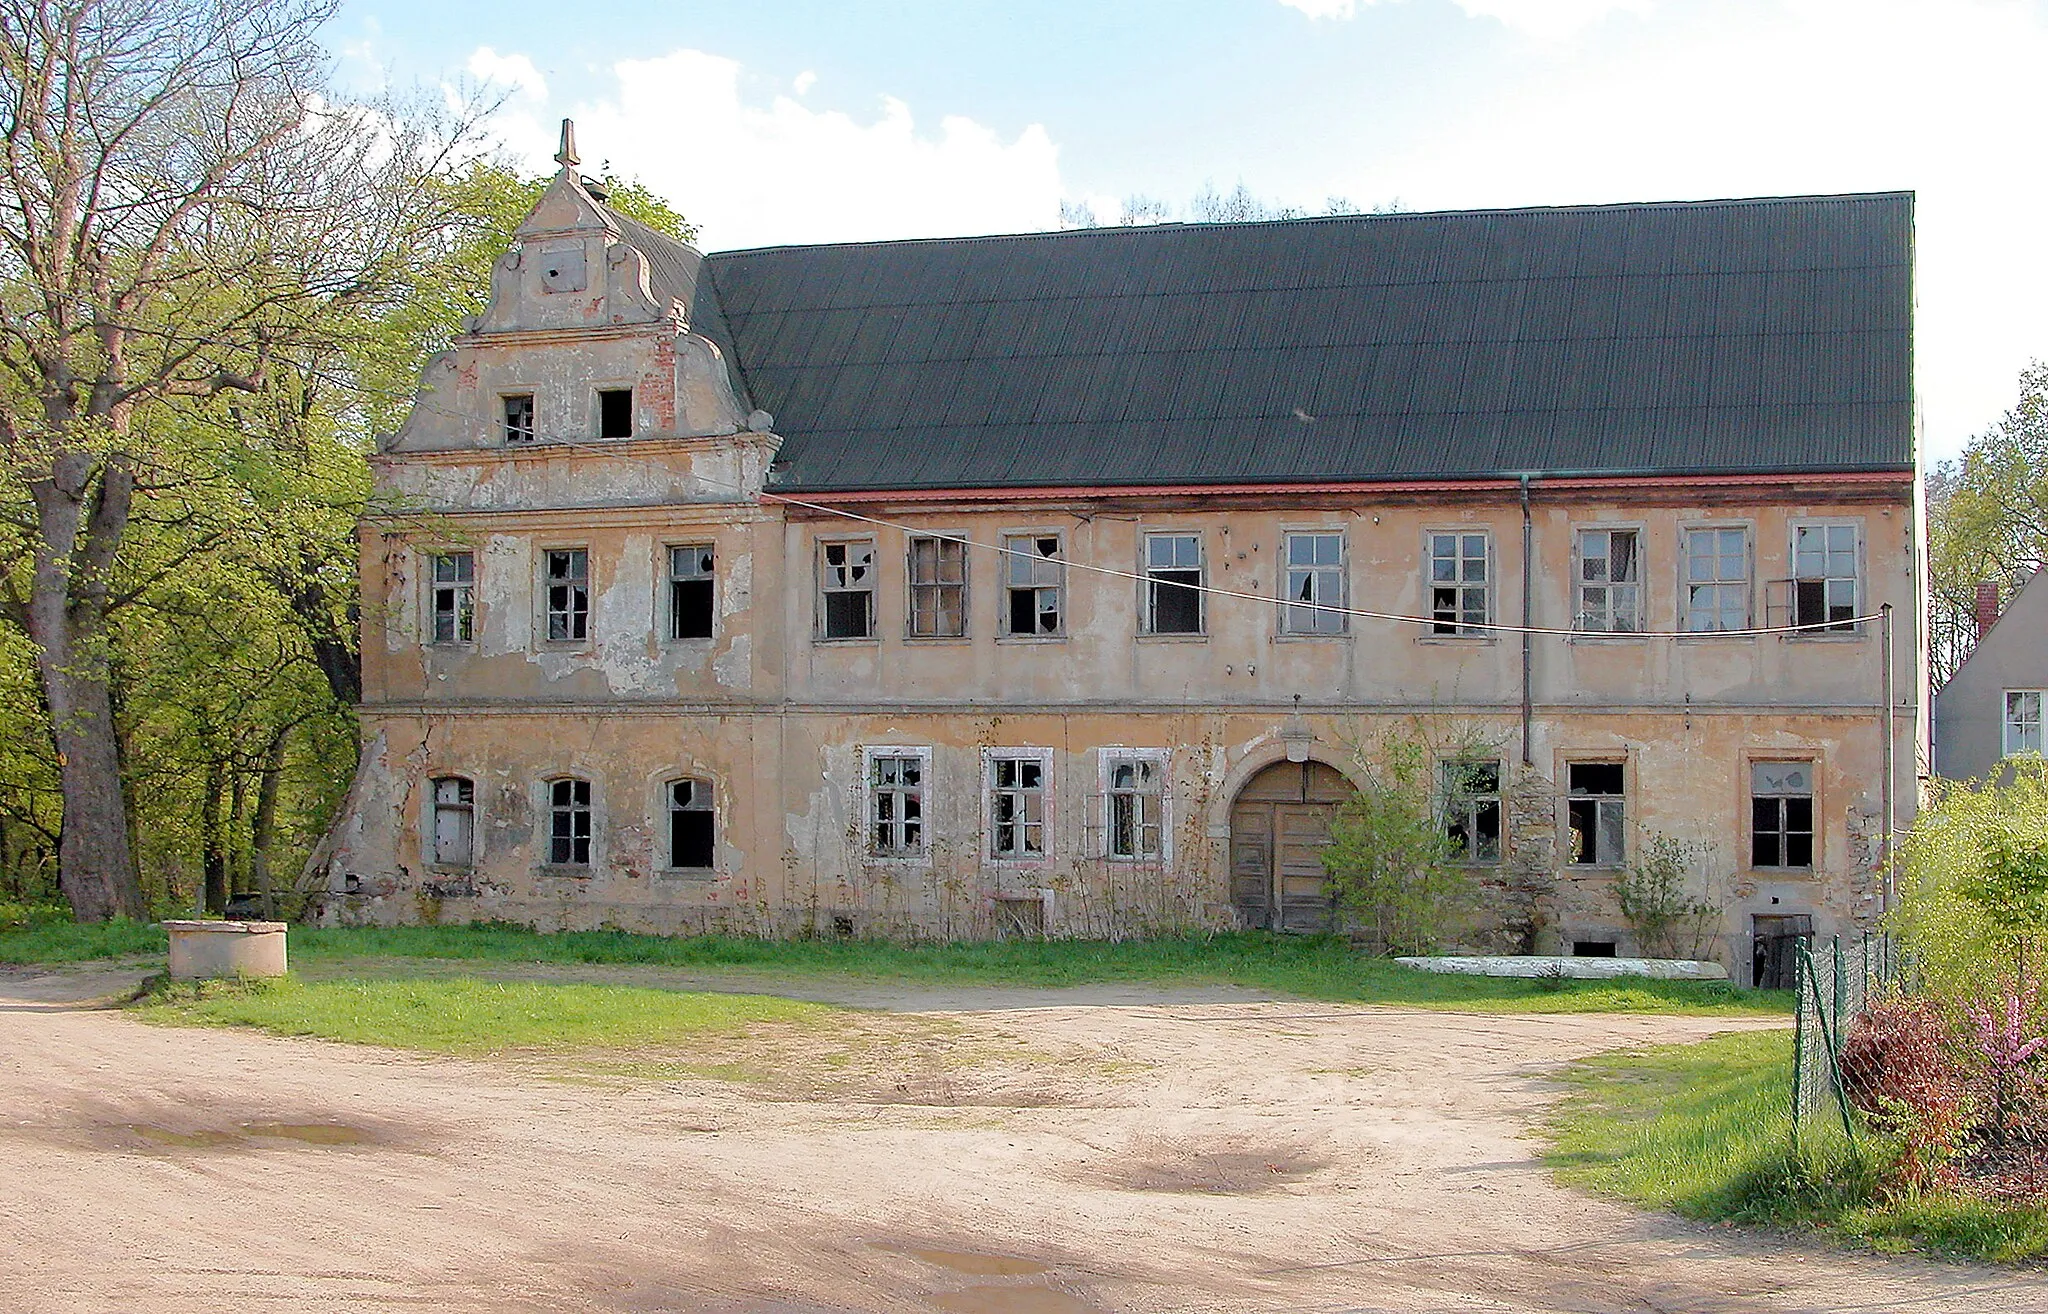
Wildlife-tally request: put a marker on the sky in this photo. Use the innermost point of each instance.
(795, 121)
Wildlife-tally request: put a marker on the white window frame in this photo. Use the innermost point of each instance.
(670, 577)
(922, 855)
(1458, 627)
(2012, 743)
(1828, 579)
(432, 821)
(1020, 547)
(1339, 622)
(464, 596)
(1583, 619)
(1686, 583)
(1148, 592)
(824, 589)
(1107, 760)
(989, 791)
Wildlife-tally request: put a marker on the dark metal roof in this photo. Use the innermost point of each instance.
(1763, 335)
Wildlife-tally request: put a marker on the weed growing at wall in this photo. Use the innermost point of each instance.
(1655, 898)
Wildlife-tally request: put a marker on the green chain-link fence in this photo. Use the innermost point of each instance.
(1835, 982)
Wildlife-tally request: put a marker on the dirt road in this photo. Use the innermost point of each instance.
(1180, 1153)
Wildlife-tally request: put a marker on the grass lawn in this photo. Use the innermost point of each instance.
(1703, 1130)
(1308, 966)
(474, 1018)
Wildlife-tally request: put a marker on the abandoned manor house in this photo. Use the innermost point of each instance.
(1067, 583)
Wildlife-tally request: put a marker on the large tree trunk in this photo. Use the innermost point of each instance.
(265, 832)
(95, 868)
(213, 856)
(81, 522)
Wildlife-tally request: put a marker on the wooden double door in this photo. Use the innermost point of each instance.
(1279, 827)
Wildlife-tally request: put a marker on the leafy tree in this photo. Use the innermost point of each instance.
(1975, 898)
(1657, 902)
(1391, 863)
(1987, 520)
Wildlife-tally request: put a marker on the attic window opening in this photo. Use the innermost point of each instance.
(615, 413)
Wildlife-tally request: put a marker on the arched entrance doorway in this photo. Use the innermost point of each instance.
(1279, 827)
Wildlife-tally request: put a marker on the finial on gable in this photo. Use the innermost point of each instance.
(567, 156)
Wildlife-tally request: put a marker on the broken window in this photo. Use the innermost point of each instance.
(1315, 575)
(454, 596)
(1471, 808)
(846, 589)
(690, 600)
(569, 823)
(1610, 581)
(2023, 721)
(1173, 583)
(1135, 800)
(1033, 566)
(1823, 575)
(1781, 814)
(568, 588)
(690, 830)
(1594, 809)
(1016, 806)
(896, 805)
(519, 418)
(615, 413)
(454, 821)
(1459, 597)
(938, 587)
(1716, 579)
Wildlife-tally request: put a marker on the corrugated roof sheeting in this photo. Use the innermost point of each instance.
(1690, 337)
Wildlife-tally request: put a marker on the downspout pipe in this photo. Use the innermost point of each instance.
(1528, 608)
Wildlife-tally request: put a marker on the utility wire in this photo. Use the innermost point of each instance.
(1210, 590)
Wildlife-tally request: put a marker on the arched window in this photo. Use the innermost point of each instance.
(691, 828)
(454, 821)
(569, 823)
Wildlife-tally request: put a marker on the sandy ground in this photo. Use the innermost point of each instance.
(1045, 1153)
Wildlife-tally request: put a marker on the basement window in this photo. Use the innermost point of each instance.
(690, 830)
(615, 413)
(1592, 948)
(690, 598)
(1035, 569)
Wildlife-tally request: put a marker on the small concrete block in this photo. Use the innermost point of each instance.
(201, 949)
(1578, 969)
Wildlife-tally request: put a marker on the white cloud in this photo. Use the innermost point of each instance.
(1551, 19)
(1548, 19)
(510, 72)
(756, 174)
(1326, 8)
(804, 82)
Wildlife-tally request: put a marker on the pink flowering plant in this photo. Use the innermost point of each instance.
(2008, 1053)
